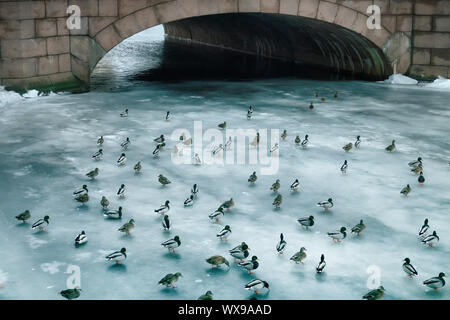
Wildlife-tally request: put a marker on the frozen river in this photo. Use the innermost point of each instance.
(47, 142)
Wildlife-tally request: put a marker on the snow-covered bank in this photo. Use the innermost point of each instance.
(400, 79)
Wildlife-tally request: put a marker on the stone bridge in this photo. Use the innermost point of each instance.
(37, 50)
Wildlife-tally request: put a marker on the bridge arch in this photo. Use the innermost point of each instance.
(106, 23)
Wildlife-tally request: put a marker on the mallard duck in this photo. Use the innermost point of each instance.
(297, 140)
(98, 155)
(376, 294)
(415, 163)
(281, 244)
(249, 112)
(311, 106)
(217, 149)
(41, 223)
(358, 142)
(417, 169)
(228, 204)
(224, 233)
(124, 114)
(160, 139)
(277, 201)
(121, 191)
(207, 296)
(170, 279)
(255, 141)
(114, 214)
(166, 223)
(104, 203)
(316, 95)
(222, 125)
(163, 180)
(172, 244)
(326, 204)
(323, 99)
(421, 179)
(70, 294)
(189, 201)
(117, 256)
(100, 141)
(122, 159)
(217, 214)
(168, 116)
(228, 144)
(187, 142)
(81, 191)
(344, 167)
(431, 239)
(250, 265)
(284, 135)
(164, 208)
(275, 186)
(299, 256)
(305, 142)
(158, 148)
(424, 229)
(335, 95)
(137, 167)
(125, 144)
(24, 216)
(92, 174)
(306, 222)
(391, 147)
(194, 190)
(217, 261)
(239, 252)
(295, 185)
(338, 236)
(257, 285)
(83, 198)
(127, 227)
(321, 265)
(406, 190)
(436, 282)
(408, 268)
(81, 238)
(274, 148)
(252, 179)
(348, 147)
(359, 228)
(197, 160)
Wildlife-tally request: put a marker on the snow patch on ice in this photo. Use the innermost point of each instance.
(35, 242)
(400, 79)
(440, 83)
(51, 267)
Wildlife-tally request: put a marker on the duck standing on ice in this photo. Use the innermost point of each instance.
(406, 190)
(223, 125)
(217, 261)
(224, 233)
(125, 144)
(338, 236)
(217, 214)
(79, 192)
(436, 282)
(408, 268)
(257, 285)
(305, 142)
(122, 159)
(299, 256)
(163, 180)
(277, 201)
(41, 224)
(172, 244)
(124, 114)
(81, 238)
(168, 116)
(295, 185)
(421, 179)
(252, 179)
(137, 167)
(100, 141)
(344, 167)
(424, 229)
(92, 174)
(240, 252)
(170, 279)
(250, 265)
(431, 239)
(358, 142)
(306, 222)
(121, 191)
(348, 147)
(326, 204)
(127, 227)
(160, 139)
(114, 214)
(228, 204)
(24, 216)
(104, 203)
(117, 256)
(98, 155)
(166, 223)
(321, 265)
(163, 209)
(281, 244)
(275, 186)
(359, 228)
(297, 140)
(391, 147)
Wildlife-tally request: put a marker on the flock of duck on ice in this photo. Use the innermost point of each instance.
(239, 253)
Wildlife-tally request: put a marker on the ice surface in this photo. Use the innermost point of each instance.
(400, 79)
(46, 147)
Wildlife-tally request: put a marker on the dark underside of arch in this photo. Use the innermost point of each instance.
(306, 42)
